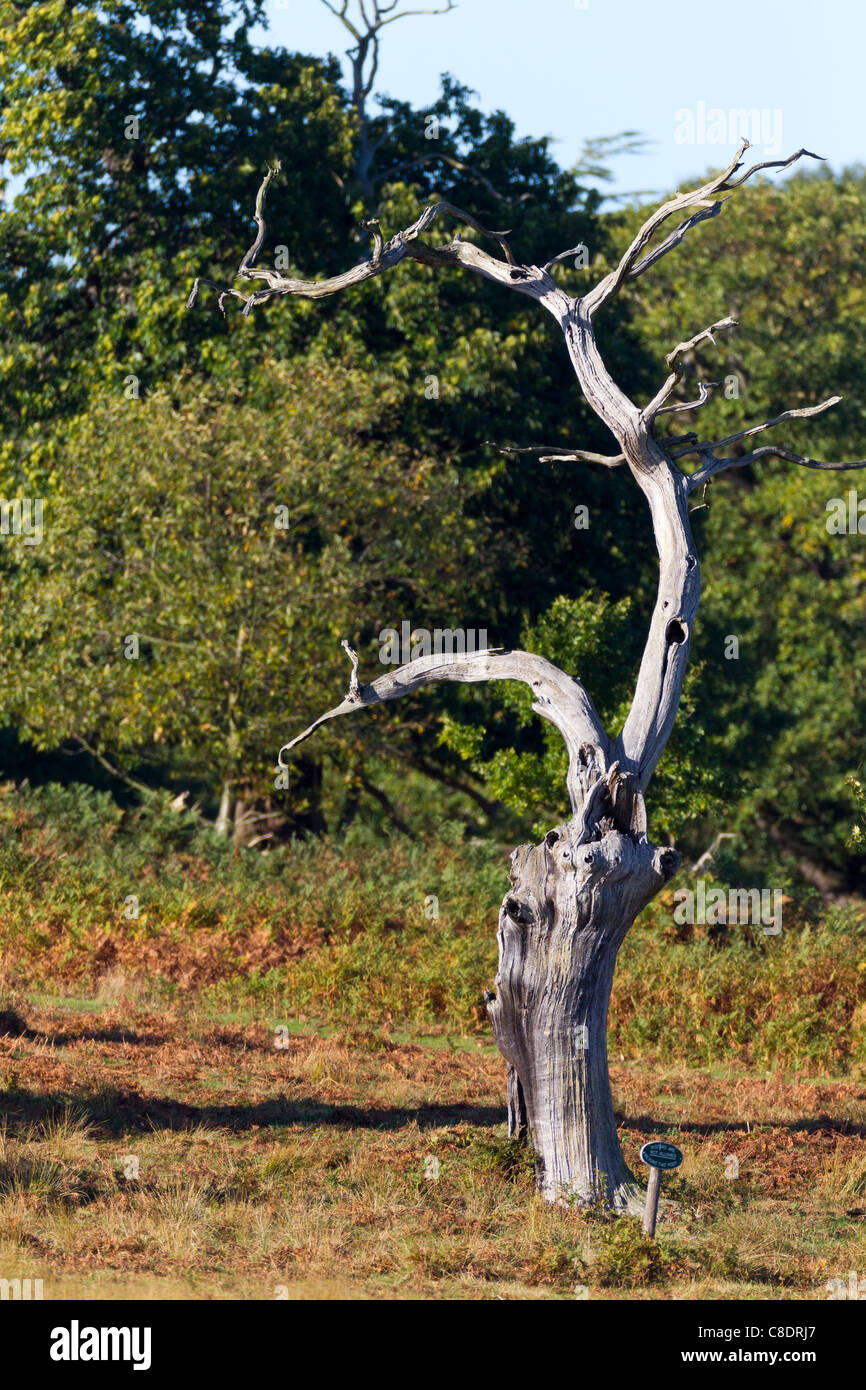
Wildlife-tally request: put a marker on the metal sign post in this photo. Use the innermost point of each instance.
(658, 1155)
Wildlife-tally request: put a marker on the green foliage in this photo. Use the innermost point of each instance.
(210, 602)
(510, 1158)
(336, 932)
(625, 1258)
(98, 251)
(128, 222)
(96, 256)
(457, 335)
(790, 1000)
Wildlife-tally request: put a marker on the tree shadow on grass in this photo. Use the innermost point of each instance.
(12, 1025)
(809, 1124)
(127, 1112)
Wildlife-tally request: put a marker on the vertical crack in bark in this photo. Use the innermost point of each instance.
(517, 1118)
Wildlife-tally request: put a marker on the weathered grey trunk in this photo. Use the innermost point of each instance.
(573, 899)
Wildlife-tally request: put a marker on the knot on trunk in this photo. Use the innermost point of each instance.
(667, 862)
(594, 872)
(519, 911)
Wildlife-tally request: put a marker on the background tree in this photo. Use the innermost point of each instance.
(103, 311)
(101, 314)
(167, 611)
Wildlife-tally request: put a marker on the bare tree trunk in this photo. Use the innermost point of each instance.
(224, 814)
(574, 898)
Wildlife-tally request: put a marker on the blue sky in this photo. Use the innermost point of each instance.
(678, 72)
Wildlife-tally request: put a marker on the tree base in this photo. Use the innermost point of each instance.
(626, 1199)
(574, 898)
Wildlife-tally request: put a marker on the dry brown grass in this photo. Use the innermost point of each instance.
(305, 1169)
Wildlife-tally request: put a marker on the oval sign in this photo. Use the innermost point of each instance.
(659, 1154)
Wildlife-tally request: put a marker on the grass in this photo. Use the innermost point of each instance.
(168, 1155)
(241, 1091)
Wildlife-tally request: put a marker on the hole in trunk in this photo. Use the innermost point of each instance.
(675, 633)
(668, 863)
(515, 909)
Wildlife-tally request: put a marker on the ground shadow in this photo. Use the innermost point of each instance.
(12, 1025)
(810, 1124)
(126, 1112)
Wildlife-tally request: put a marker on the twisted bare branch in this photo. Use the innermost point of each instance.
(559, 698)
(714, 466)
(711, 445)
(405, 244)
(676, 371)
(704, 199)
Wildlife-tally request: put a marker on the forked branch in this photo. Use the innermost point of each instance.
(699, 447)
(712, 465)
(715, 466)
(676, 370)
(704, 199)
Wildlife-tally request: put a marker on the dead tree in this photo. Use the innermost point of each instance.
(575, 895)
(365, 28)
